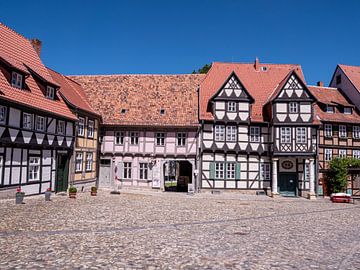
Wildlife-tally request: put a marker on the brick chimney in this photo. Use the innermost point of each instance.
(36, 44)
(257, 64)
(320, 83)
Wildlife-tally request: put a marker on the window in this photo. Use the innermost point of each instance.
(162, 111)
(50, 92)
(231, 106)
(347, 110)
(231, 133)
(342, 131)
(78, 162)
(60, 127)
(219, 133)
(40, 123)
(264, 171)
(328, 154)
(27, 121)
(89, 161)
(2, 114)
(160, 139)
(356, 132)
(342, 153)
(307, 172)
(293, 107)
(143, 171)
(181, 139)
(34, 168)
(328, 130)
(123, 111)
(219, 170)
(338, 79)
(134, 138)
(330, 109)
(285, 135)
(81, 125)
(230, 170)
(16, 80)
(356, 154)
(300, 135)
(90, 131)
(119, 137)
(127, 170)
(254, 134)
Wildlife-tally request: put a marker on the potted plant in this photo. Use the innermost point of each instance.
(19, 196)
(48, 194)
(72, 192)
(93, 191)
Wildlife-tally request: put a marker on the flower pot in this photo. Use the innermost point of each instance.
(93, 193)
(19, 198)
(47, 196)
(72, 195)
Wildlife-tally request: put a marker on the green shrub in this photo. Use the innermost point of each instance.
(93, 189)
(72, 189)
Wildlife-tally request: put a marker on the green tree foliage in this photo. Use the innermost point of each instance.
(338, 173)
(203, 70)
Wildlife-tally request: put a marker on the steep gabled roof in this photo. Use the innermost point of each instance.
(260, 84)
(353, 73)
(18, 52)
(142, 97)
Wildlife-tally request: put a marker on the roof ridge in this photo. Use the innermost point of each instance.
(133, 74)
(250, 63)
(328, 87)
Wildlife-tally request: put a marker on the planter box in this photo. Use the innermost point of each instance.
(340, 198)
(72, 195)
(93, 193)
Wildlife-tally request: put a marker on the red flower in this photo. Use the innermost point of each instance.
(18, 189)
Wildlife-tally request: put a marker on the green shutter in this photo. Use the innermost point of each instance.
(237, 171)
(212, 170)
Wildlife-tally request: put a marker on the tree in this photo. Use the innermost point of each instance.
(203, 70)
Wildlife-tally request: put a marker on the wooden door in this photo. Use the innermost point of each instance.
(287, 184)
(62, 173)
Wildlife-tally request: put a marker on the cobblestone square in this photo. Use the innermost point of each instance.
(153, 230)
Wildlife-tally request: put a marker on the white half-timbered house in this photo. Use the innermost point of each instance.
(36, 126)
(257, 129)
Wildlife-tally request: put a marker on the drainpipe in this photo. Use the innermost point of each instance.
(198, 157)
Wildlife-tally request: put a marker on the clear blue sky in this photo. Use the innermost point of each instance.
(109, 37)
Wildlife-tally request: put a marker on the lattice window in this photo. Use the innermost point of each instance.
(342, 153)
(356, 154)
(231, 106)
(219, 133)
(254, 134)
(285, 135)
(328, 130)
(219, 170)
(356, 132)
(293, 107)
(342, 131)
(264, 171)
(300, 135)
(231, 133)
(328, 154)
(230, 170)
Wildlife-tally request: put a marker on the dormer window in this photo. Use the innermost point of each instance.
(162, 111)
(330, 109)
(16, 80)
(123, 111)
(50, 92)
(263, 68)
(347, 110)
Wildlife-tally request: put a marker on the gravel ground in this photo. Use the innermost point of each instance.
(154, 230)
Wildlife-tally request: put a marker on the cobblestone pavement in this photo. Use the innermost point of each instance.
(153, 230)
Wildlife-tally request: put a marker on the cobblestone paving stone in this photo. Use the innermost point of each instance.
(153, 230)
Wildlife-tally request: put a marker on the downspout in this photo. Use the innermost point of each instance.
(199, 156)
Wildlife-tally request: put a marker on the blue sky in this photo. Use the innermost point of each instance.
(110, 37)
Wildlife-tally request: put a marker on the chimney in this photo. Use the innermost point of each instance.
(257, 64)
(36, 44)
(320, 83)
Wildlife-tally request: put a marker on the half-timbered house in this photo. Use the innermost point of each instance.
(36, 126)
(84, 162)
(257, 129)
(149, 130)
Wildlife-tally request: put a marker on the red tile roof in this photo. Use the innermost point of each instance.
(261, 85)
(353, 73)
(72, 92)
(18, 52)
(143, 96)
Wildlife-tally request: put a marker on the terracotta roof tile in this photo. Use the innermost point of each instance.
(142, 97)
(353, 73)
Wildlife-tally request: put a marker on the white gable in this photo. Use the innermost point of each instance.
(293, 84)
(232, 83)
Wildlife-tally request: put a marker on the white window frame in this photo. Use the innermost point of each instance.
(328, 130)
(1, 166)
(60, 129)
(347, 110)
(127, 171)
(285, 135)
(50, 92)
(160, 138)
(27, 121)
(294, 107)
(89, 162)
(219, 170)
(181, 139)
(134, 138)
(81, 127)
(254, 134)
(328, 154)
(143, 171)
(356, 132)
(78, 162)
(265, 172)
(34, 168)
(342, 153)
(219, 133)
(301, 135)
(307, 172)
(40, 123)
(231, 106)
(90, 129)
(231, 133)
(356, 154)
(330, 109)
(230, 170)
(342, 131)
(119, 137)
(3, 110)
(16, 80)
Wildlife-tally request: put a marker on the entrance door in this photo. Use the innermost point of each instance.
(62, 172)
(104, 173)
(287, 184)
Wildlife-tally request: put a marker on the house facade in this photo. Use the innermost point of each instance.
(149, 131)
(257, 129)
(36, 126)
